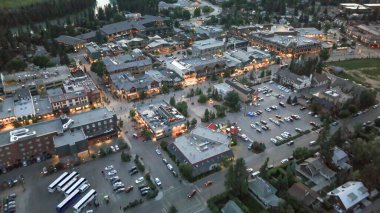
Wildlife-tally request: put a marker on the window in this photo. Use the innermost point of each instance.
(99, 123)
(8, 153)
(110, 120)
(7, 148)
(22, 149)
(87, 126)
(20, 144)
(39, 145)
(93, 125)
(31, 147)
(105, 122)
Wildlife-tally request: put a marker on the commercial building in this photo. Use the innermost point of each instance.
(161, 119)
(331, 99)
(209, 31)
(287, 78)
(71, 42)
(223, 88)
(69, 101)
(202, 148)
(367, 34)
(208, 46)
(37, 141)
(245, 93)
(350, 8)
(197, 69)
(37, 80)
(348, 196)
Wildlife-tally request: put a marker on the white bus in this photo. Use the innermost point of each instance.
(54, 185)
(69, 184)
(67, 201)
(66, 180)
(76, 185)
(84, 201)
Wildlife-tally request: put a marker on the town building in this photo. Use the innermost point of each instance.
(348, 196)
(71, 42)
(65, 102)
(160, 45)
(202, 148)
(209, 31)
(263, 192)
(367, 34)
(340, 159)
(208, 46)
(231, 207)
(305, 195)
(287, 78)
(37, 80)
(94, 52)
(245, 93)
(331, 99)
(35, 142)
(161, 119)
(315, 170)
(223, 88)
(197, 69)
(351, 8)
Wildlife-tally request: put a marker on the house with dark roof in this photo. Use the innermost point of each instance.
(245, 93)
(340, 159)
(231, 207)
(72, 42)
(316, 171)
(263, 192)
(319, 80)
(304, 194)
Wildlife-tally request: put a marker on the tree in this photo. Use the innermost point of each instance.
(15, 65)
(41, 61)
(207, 9)
(302, 153)
(263, 168)
(125, 157)
(324, 54)
(202, 99)
(295, 100)
(236, 181)
(132, 113)
(212, 115)
(182, 108)
(262, 74)
(173, 209)
(197, 12)
(186, 15)
(142, 95)
(99, 68)
(289, 100)
(377, 122)
(172, 101)
(232, 101)
(64, 59)
(164, 88)
(326, 26)
(206, 116)
(147, 134)
(186, 170)
(367, 98)
(193, 122)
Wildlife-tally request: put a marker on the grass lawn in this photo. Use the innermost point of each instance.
(357, 64)
(17, 3)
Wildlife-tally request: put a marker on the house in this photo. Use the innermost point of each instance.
(319, 80)
(347, 196)
(304, 194)
(72, 42)
(231, 207)
(331, 98)
(316, 171)
(287, 78)
(263, 192)
(340, 159)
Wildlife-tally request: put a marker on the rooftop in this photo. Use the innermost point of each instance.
(208, 43)
(92, 116)
(160, 115)
(373, 29)
(350, 193)
(121, 62)
(308, 31)
(69, 40)
(202, 144)
(288, 40)
(12, 82)
(240, 87)
(302, 193)
(67, 96)
(69, 138)
(182, 67)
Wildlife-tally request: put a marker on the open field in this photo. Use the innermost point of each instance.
(364, 71)
(17, 3)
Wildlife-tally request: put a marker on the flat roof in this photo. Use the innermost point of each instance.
(6, 108)
(308, 30)
(223, 87)
(92, 116)
(69, 138)
(124, 62)
(208, 43)
(202, 144)
(42, 105)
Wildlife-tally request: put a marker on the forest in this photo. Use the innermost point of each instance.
(42, 11)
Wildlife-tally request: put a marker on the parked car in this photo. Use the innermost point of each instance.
(208, 183)
(283, 161)
(139, 180)
(108, 168)
(129, 189)
(165, 161)
(158, 182)
(170, 167)
(158, 152)
(192, 193)
(112, 172)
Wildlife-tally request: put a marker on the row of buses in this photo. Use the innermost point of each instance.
(72, 186)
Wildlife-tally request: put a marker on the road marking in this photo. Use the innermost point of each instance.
(197, 188)
(163, 210)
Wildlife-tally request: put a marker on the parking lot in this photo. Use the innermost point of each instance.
(270, 99)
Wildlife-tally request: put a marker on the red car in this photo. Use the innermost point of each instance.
(129, 189)
(192, 193)
(208, 183)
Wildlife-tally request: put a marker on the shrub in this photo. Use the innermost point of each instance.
(125, 157)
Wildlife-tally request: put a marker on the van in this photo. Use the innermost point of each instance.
(312, 143)
(255, 174)
(84, 187)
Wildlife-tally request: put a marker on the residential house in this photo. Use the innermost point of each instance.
(318, 80)
(340, 159)
(304, 195)
(316, 171)
(348, 196)
(231, 207)
(287, 78)
(263, 192)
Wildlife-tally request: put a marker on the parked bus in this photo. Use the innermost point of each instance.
(66, 180)
(84, 201)
(76, 185)
(67, 201)
(54, 185)
(69, 184)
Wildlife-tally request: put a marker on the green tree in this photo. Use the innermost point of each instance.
(262, 74)
(182, 108)
(173, 209)
(377, 122)
(289, 100)
(212, 115)
(147, 134)
(236, 181)
(232, 101)
(202, 99)
(324, 54)
(125, 157)
(186, 15)
(295, 100)
(207, 9)
(99, 68)
(263, 169)
(15, 65)
(132, 113)
(142, 95)
(301, 153)
(186, 170)
(197, 12)
(367, 98)
(164, 88)
(172, 101)
(206, 116)
(193, 122)
(41, 61)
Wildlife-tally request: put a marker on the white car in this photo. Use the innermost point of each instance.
(249, 170)
(268, 109)
(283, 161)
(108, 168)
(288, 134)
(158, 152)
(273, 140)
(139, 180)
(279, 138)
(112, 172)
(113, 149)
(284, 135)
(253, 126)
(158, 182)
(117, 147)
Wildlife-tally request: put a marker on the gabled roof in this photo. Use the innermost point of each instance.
(231, 207)
(350, 193)
(69, 40)
(302, 193)
(264, 191)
